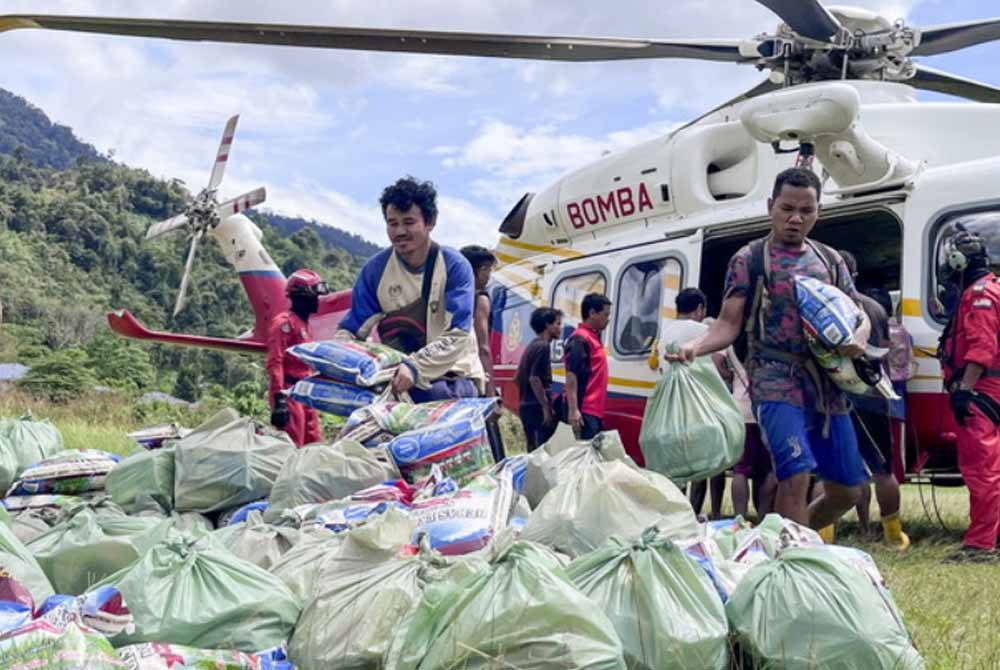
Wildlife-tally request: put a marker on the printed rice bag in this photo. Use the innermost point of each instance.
(41, 645)
(468, 519)
(73, 471)
(157, 656)
(102, 610)
(357, 363)
(332, 397)
(16, 604)
(459, 447)
(369, 424)
(827, 314)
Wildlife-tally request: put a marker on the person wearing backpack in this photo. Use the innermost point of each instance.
(803, 417)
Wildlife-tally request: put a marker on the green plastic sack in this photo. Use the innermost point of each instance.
(42, 646)
(24, 442)
(87, 547)
(546, 467)
(692, 428)
(809, 609)
(320, 473)
(257, 542)
(520, 608)
(224, 463)
(321, 554)
(190, 592)
(663, 606)
(606, 499)
(143, 481)
(17, 561)
(356, 611)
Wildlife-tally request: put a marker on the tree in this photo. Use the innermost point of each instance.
(188, 386)
(120, 364)
(60, 377)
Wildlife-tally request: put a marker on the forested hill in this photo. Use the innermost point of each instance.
(25, 129)
(72, 247)
(349, 242)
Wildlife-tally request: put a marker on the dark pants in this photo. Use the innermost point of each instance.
(874, 440)
(535, 430)
(445, 389)
(592, 425)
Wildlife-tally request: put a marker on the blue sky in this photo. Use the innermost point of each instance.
(324, 131)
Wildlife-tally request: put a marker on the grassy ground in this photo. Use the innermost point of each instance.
(952, 611)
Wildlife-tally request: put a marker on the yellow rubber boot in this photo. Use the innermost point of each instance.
(892, 528)
(828, 533)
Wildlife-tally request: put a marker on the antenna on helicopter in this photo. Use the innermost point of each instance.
(204, 211)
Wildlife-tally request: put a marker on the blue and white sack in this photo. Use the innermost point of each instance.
(460, 448)
(359, 363)
(327, 395)
(828, 315)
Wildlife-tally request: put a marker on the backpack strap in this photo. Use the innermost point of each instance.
(429, 266)
(831, 259)
(759, 275)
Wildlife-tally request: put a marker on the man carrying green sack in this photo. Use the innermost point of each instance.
(803, 417)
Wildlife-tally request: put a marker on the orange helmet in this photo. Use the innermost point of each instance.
(305, 282)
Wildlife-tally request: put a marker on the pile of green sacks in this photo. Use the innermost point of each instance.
(611, 570)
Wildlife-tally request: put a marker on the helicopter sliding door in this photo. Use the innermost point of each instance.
(642, 282)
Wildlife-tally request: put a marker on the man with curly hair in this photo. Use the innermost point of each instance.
(420, 298)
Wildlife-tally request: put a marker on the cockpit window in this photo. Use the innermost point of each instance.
(983, 223)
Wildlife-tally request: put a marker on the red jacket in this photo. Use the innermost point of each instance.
(283, 369)
(974, 334)
(593, 398)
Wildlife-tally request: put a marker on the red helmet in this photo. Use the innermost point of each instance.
(305, 282)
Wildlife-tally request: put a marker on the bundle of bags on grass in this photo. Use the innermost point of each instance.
(344, 557)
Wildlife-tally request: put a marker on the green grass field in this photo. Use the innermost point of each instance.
(952, 611)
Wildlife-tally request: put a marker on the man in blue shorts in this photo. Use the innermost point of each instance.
(803, 417)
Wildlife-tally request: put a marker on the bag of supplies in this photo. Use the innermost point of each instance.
(828, 315)
(357, 363)
(332, 397)
(692, 428)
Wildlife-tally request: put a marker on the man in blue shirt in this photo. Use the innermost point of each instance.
(420, 298)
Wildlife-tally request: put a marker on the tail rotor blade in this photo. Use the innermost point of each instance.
(186, 278)
(219, 168)
(164, 227)
(242, 203)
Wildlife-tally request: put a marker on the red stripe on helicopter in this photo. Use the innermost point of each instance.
(618, 203)
(222, 158)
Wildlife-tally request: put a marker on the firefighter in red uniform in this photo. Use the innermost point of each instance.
(970, 357)
(287, 329)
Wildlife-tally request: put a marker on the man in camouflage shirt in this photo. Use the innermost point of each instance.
(803, 417)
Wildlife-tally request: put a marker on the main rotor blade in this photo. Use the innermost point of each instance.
(806, 17)
(186, 277)
(763, 87)
(930, 79)
(542, 47)
(222, 155)
(942, 39)
(242, 203)
(164, 227)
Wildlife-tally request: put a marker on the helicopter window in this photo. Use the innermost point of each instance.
(569, 292)
(644, 291)
(983, 223)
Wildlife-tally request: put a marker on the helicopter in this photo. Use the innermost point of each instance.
(839, 90)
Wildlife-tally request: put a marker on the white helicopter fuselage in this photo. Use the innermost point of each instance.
(644, 223)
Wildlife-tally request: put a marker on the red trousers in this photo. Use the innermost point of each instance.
(303, 424)
(979, 463)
